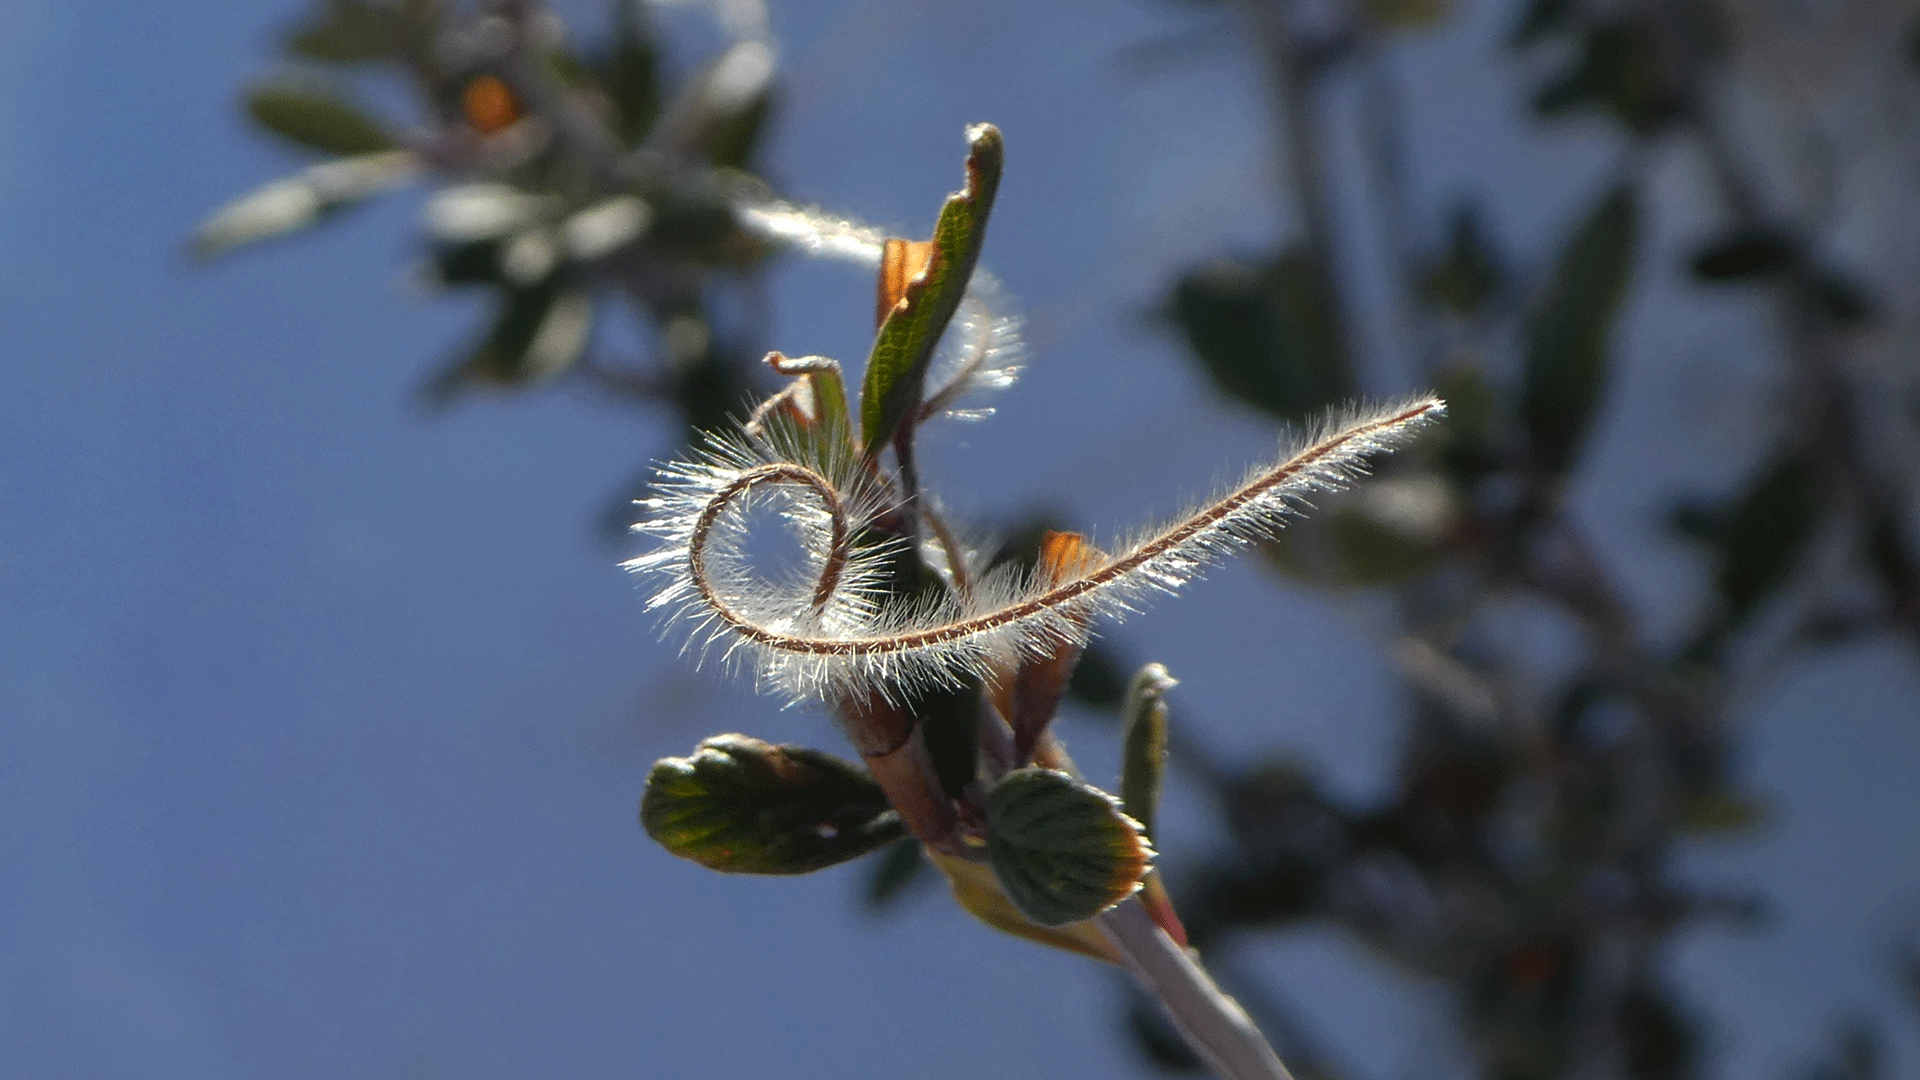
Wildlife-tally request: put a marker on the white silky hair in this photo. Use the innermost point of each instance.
(808, 640)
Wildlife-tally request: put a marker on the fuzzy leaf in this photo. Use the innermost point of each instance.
(1570, 332)
(903, 348)
(316, 118)
(1144, 743)
(1062, 849)
(743, 806)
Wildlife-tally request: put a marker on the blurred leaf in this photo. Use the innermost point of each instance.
(1143, 739)
(734, 138)
(1843, 300)
(537, 332)
(896, 873)
(744, 806)
(1061, 849)
(1766, 530)
(1408, 14)
(1470, 273)
(293, 203)
(904, 346)
(1266, 333)
(459, 213)
(1749, 254)
(1723, 814)
(1542, 17)
(343, 32)
(1471, 446)
(311, 115)
(632, 73)
(1098, 681)
(949, 719)
(978, 892)
(458, 265)
(1619, 69)
(1570, 331)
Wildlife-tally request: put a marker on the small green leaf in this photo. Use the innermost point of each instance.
(344, 32)
(1266, 333)
(903, 348)
(1062, 849)
(293, 203)
(1570, 332)
(313, 116)
(1745, 255)
(744, 806)
(1144, 743)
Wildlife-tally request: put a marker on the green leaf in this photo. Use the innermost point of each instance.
(1469, 274)
(344, 32)
(1144, 744)
(1619, 69)
(313, 116)
(743, 806)
(1745, 255)
(632, 73)
(1764, 534)
(293, 203)
(537, 332)
(1543, 17)
(1062, 849)
(903, 348)
(1267, 334)
(1570, 332)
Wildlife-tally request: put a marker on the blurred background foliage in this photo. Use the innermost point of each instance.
(1525, 856)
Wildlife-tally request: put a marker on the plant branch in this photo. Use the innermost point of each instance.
(1216, 1028)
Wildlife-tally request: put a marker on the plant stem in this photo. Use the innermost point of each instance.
(1216, 1028)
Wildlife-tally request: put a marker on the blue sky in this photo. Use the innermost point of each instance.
(322, 722)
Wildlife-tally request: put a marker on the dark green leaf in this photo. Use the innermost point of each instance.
(1570, 332)
(1469, 274)
(1062, 849)
(1471, 446)
(343, 32)
(897, 872)
(897, 367)
(632, 73)
(1842, 299)
(1543, 17)
(1766, 531)
(1098, 681)
(1266, 333)
(1144, 744)
(1619, 69)
(745, 806)
(1751, 254)
(315, 117)
(537, 332)
(949, 719)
